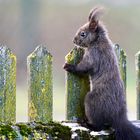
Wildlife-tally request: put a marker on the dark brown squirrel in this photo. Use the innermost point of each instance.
(105, 103)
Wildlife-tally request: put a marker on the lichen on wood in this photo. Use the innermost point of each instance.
(138, 83)
(53, 131)
(79, 132)
(121, 55)
(7, 85)
(35, 131)
(76, 88)
(39, 65)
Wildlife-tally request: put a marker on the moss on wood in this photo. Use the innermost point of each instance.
(51, 131)
(121, 55)
(6, 131)
(76, 87)
(7, 85)
(40, 84)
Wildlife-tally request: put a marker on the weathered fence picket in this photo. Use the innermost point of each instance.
(7, 85)
(121, 55)
(39, 66)
(76, 88)
(138, 83)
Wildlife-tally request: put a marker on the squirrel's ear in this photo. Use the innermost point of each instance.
(94, 17)
(91, 13)
(93, 25)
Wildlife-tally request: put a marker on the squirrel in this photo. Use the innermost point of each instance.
(105, 103)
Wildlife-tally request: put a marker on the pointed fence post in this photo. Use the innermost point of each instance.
(40, 85)
(7, 85)
(121, 55)
(76, 88)
(137, 56)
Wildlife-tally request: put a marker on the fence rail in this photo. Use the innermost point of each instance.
(40, 86)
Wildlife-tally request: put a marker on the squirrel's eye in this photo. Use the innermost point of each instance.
(83, 34)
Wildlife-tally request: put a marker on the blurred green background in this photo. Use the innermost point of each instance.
(24, 24)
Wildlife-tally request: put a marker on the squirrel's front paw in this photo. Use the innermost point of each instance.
(69, 67)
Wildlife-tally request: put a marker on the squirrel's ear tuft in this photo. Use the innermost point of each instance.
(94, 16)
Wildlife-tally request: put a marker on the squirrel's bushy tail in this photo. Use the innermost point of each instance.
(127, 131)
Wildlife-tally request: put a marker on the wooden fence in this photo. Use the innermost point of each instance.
(40, 86)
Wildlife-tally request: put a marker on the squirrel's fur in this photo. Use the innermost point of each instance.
(105, 103)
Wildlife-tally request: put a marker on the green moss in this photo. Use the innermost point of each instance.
(32, 111)
(55, 130)
(50, 131)
(24, 129)
(121, 55)
(60, 131)
(76, 87)
(7, 85)
(40, 85)
(7, 131)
